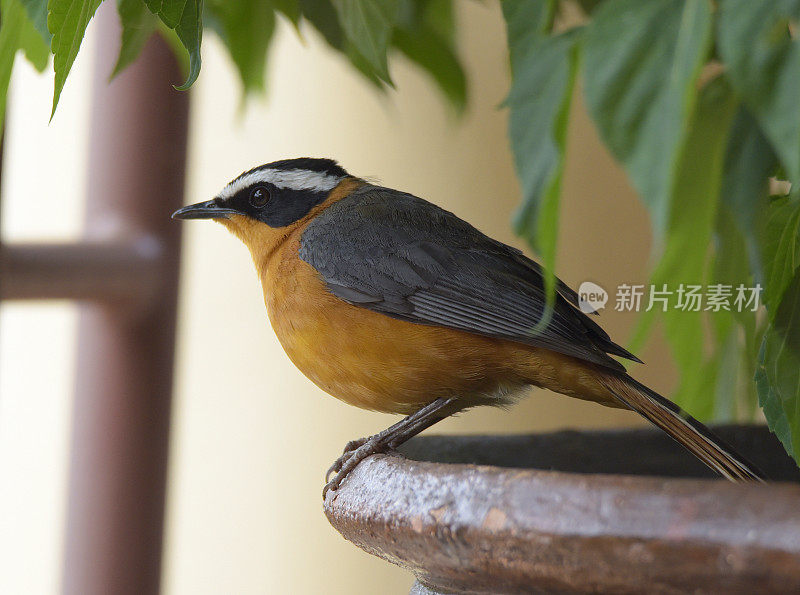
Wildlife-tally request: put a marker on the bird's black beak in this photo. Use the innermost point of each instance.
(210, 209)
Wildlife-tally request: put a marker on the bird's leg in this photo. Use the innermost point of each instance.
(394, 435)
(390, 438)
(382, 437)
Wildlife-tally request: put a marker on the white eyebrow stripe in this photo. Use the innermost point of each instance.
(295, 179)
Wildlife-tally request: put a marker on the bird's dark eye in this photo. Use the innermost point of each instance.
(259, 196)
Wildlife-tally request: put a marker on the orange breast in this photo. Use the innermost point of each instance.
(362, 357)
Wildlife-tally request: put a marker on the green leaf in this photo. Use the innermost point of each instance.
(325, 19)
(427, 40)
(138, 24)
(438, 15)
(361, 64)
(289, 8)
(67, 21)
(749, 162)
(12, 19)
(246, 27)
(738, 257)
(37, 13)
(432, 54)
(323, 16)
(642, 60)
(778, 374)
(737, 332)
(726, 376)
(17, 32)
(175, 44)
(526, 22)
(692, 222)
(368, 25)
(730, 258)
(763, 63)
(33, 45)
(169, 11)
(694, 200)
(745, 184)
(588, 6)
(543, 76)
(749, 357)
(779, 231)
(185, 17)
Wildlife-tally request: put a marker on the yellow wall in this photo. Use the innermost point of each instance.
(252, 437)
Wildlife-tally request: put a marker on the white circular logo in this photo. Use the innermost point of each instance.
(591, 297)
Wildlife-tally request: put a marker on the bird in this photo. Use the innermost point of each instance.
(390, 303)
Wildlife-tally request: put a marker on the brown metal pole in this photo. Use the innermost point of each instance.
(129, 272)
(125, 356)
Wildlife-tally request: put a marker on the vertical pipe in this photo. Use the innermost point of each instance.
(121, 414)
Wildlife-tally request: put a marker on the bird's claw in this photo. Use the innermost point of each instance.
(349, 448)
(355, 452)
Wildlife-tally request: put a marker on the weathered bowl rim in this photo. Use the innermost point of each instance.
(477, 528)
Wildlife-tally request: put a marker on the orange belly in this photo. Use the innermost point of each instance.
(376, 362)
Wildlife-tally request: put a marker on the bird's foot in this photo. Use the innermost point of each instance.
(386, 441)
(355, 452)
(349, 448)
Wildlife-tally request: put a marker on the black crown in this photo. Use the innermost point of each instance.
(324, 166)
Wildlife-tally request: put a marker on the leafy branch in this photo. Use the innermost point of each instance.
(697, 99)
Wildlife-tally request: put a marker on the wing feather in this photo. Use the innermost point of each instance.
(402, 256)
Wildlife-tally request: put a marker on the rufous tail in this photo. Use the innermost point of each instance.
(682, 427)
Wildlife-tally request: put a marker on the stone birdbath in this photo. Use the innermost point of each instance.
(578, 512)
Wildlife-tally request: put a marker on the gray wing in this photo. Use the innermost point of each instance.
(397, 254)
